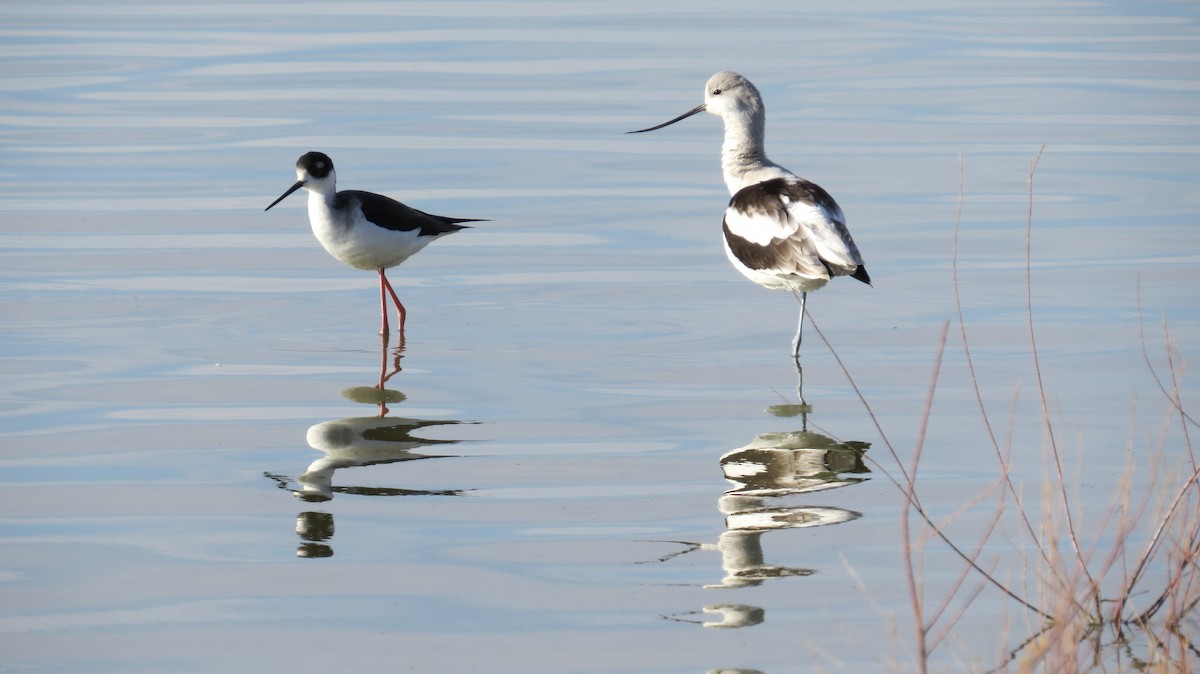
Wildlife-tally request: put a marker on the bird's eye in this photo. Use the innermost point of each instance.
(716, 92)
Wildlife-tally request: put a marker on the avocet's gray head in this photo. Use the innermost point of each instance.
(725, 94)
(314, 171)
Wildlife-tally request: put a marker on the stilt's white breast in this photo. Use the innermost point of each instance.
(358, 242)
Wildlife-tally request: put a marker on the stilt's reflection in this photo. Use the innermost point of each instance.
(314, 529)
(767, 474)
(356, 442)
(364, 441)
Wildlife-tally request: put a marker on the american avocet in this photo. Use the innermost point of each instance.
(781, 231)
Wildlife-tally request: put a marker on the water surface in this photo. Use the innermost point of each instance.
(196, 477)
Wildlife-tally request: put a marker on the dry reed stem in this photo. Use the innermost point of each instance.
(1037, 366)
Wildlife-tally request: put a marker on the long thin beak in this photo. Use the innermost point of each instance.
(293, 188)
(698, 109)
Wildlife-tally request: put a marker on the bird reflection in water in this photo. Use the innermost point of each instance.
(356, 442)
(772, 467)
(766, 474)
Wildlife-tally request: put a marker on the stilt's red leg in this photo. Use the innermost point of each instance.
(399, 307)
(383, 307)
(383, 410)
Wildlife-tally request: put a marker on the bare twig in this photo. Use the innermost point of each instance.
(1164, 521)
(912, 496)
(1037, 368)
(974, 378)
(1188, 419)
(914, 586)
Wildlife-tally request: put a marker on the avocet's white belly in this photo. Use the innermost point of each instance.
(772, 279)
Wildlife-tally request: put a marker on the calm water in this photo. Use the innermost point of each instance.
(195, 474)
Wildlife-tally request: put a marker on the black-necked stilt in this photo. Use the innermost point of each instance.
(365, 230)
(781, 231)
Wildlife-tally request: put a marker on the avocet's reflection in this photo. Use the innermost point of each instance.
(768, 474)
(359, 442)
(764, 473)
(723, 616)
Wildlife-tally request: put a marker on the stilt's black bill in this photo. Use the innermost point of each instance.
(293, 188)
(689, 113)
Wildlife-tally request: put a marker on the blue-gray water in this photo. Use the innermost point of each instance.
(549, 496)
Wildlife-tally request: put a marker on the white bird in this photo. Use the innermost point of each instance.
(363, 229)
(781, 231)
